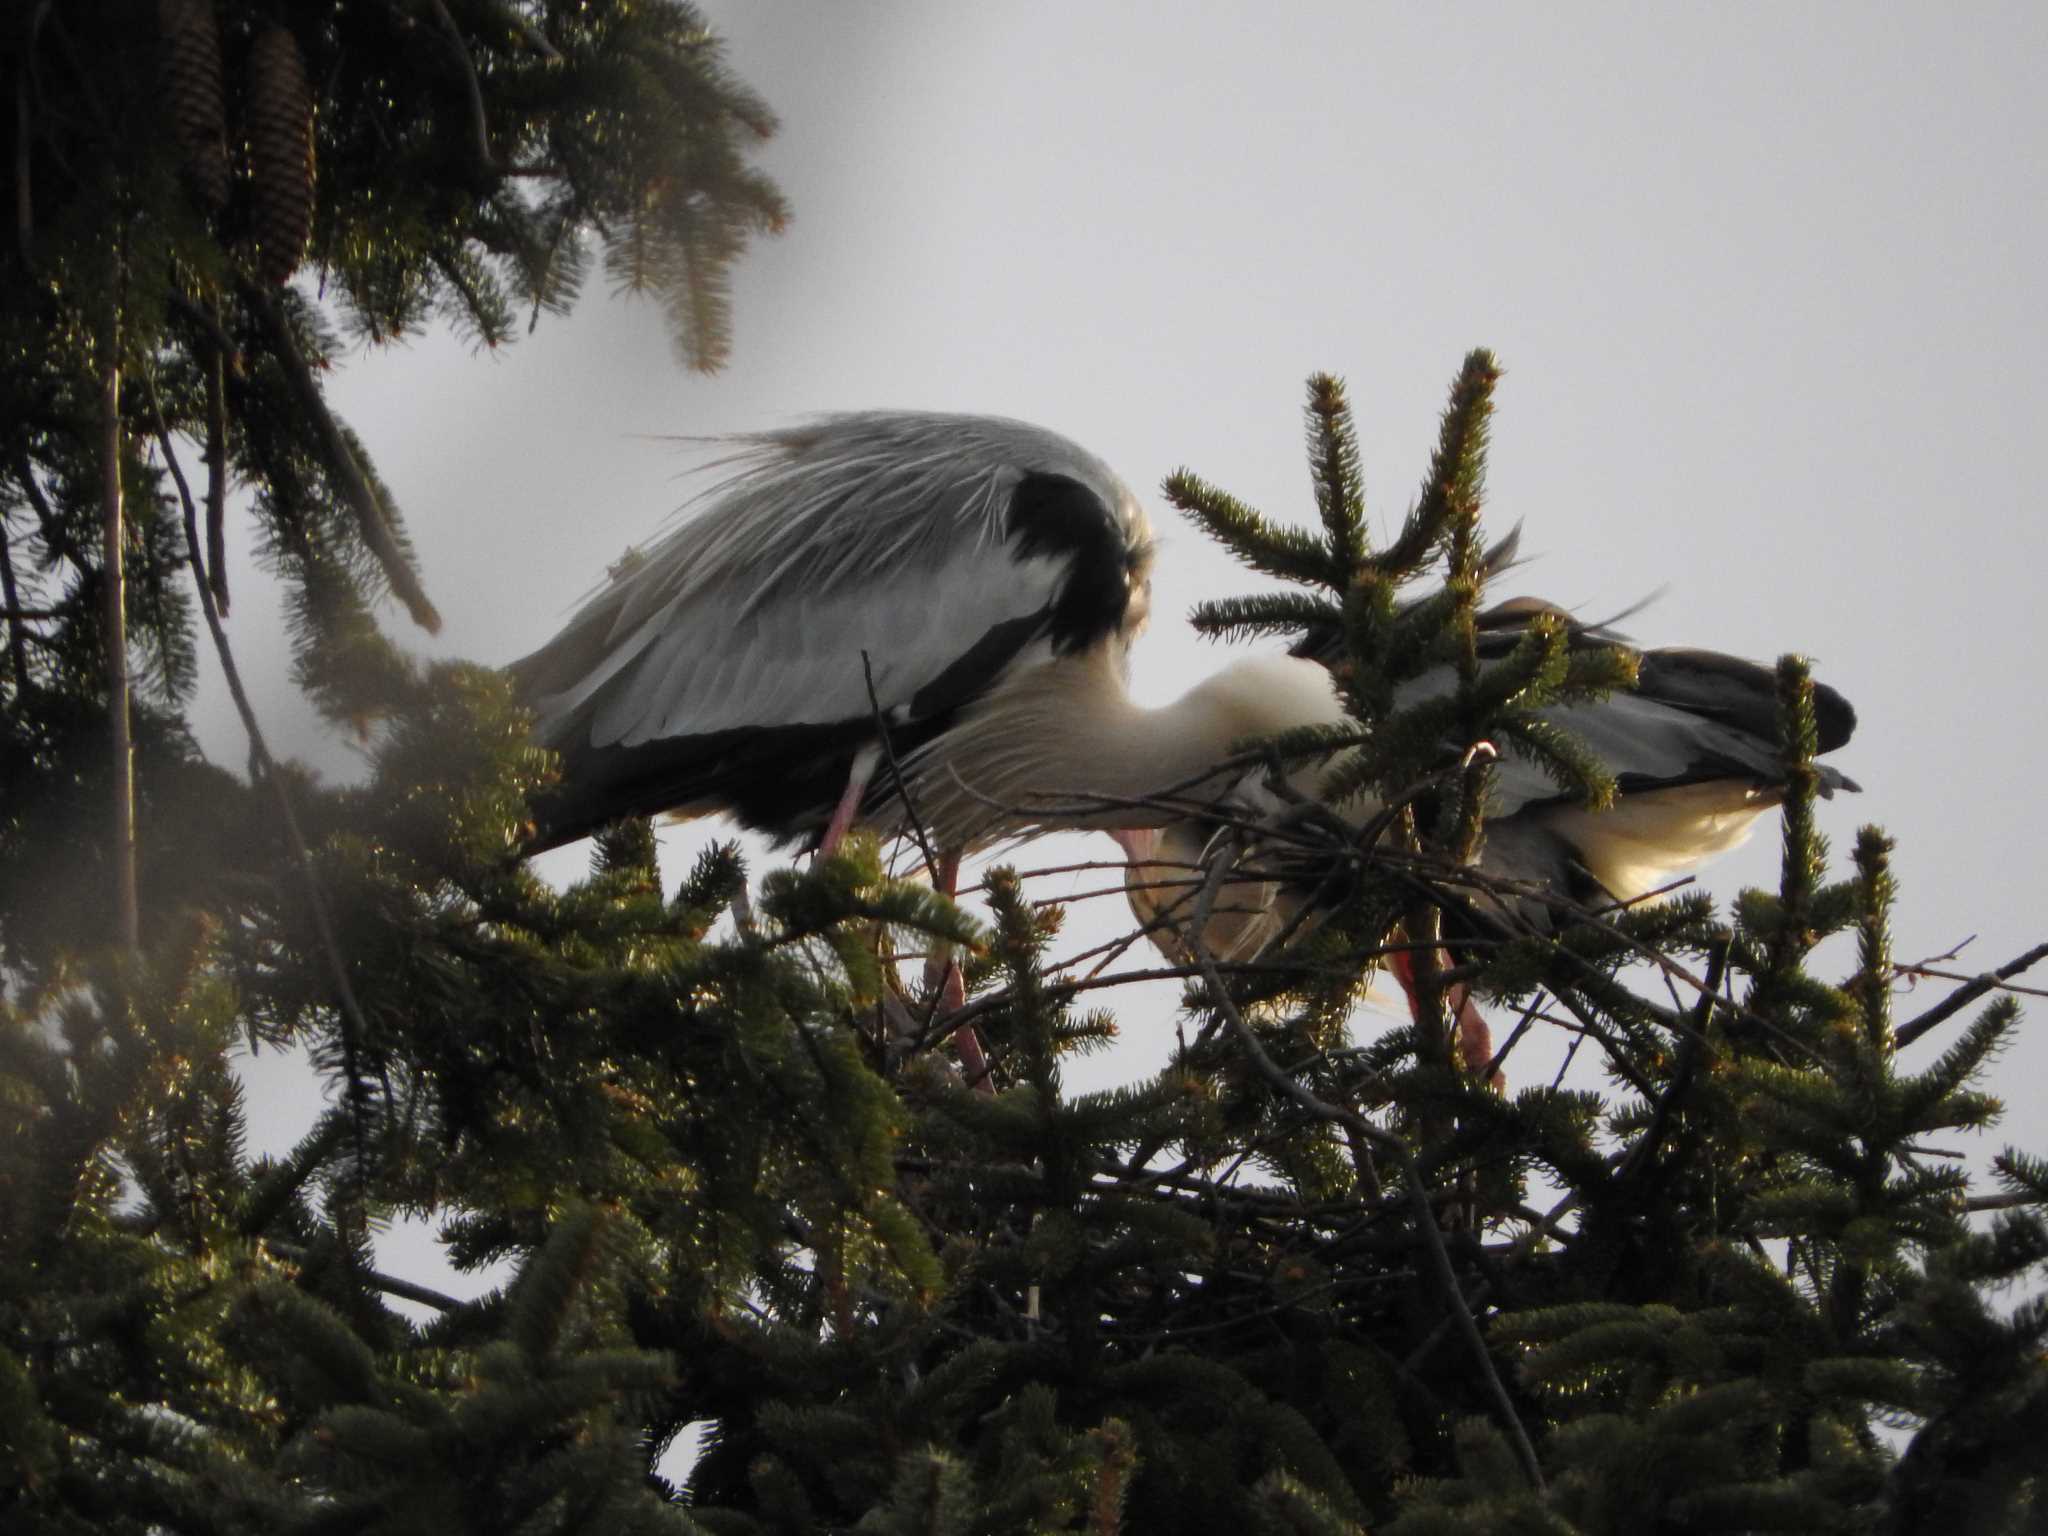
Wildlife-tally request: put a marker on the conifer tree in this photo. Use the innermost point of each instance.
(170, 166)
(1312, 1277)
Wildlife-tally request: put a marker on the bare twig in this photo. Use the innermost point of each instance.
(1571, 1053)
(217, 477)
(113, 532)
(1935, 974)
(17, 646)
(1522, 1025)
(1953, 952)
(1690, 1044)
(1396, 1150)
(1422, 1351)
(912, 817)
(2013, 1201)
(1079, 866)
(1963, 996)
(1616, 1053)
(390, 1285)
(209, 326)
(531, 35)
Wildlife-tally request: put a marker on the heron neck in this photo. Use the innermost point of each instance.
(1178, 749)
(1064, 745)
(1172, 751)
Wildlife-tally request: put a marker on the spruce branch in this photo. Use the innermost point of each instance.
(1805, 854)
(1265, 613)
(1457, 470)
(1336, 469)
(1386, 1142)
(1291, 554)
(56, 540)
(355, 1027)
(371, 520)
(1872, 985)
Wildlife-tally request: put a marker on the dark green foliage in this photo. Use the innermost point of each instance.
(471, 159)
(1308, 1279)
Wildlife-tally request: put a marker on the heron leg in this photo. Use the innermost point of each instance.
(1475, 1035)
(849, 800)
(942, 972)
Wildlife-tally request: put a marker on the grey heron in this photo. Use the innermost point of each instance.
(1693, 749)
(972, 583)
(923, 621)
(914, 620)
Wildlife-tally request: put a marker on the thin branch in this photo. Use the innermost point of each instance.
(1393, 1147)
(113, 576)
(208, 324)
(1422, 1351)
(1571, 1054)
(17, 646)
(1967, 994)
(217, 476)
(55, 539)
(1934, 974)
(1689, 1048)
(1522, 1027)
(390, 1285)
(1617, 1053)
(530, 34)
(911, 815)
(479, 124)
(2015, 1201)
(355, 1025)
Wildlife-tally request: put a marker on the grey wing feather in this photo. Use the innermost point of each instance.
(875, 532)
(1695, 717)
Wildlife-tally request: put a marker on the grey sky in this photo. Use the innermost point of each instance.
(1767, 282)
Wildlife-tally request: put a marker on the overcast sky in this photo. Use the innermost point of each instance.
(1767, 282)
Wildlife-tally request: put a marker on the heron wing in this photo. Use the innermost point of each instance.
(1694, 751)
(1697, 717)
(1693, 748)
(882, 560)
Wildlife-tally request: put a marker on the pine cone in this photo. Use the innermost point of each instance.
(191, 76)
(280, 128)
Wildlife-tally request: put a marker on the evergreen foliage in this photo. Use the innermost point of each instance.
(459, 162)
(1307, 1279)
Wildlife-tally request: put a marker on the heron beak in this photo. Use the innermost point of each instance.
(1140, 844)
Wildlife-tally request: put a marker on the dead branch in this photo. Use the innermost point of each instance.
(1973, 988)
